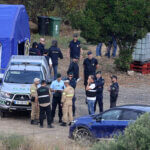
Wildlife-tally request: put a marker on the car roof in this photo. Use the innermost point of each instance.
(138, 107)
(24, 67)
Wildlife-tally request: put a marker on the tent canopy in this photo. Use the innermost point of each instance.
(14, 29)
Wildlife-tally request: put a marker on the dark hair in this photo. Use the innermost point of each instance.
(114, 77)
(34, 44)
(43, 82)
(54, 43)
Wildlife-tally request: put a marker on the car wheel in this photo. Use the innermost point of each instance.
(83, 136)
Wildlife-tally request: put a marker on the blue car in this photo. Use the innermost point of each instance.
(106, 124)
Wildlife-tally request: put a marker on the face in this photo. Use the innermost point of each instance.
(114, 80)
(70, 77)
(98, 75)
(42, 41)
(66, 84)
(90, 56)
(37, 82)
(59, 79)
(75, 38)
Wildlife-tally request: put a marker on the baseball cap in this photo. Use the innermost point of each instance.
(58, 75)
(89, 53)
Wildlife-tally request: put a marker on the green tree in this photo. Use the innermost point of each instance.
(127, 20)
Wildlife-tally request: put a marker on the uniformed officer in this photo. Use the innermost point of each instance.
(44, 102)
(41, 46)
(54, 54)
(57, 88)
(114, 90)
(73, 83)
(66, 101)
(34, 102)
(75, 49)
(99, 94)
(74, 68)
(90, 65)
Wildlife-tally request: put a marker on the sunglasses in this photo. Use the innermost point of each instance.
(71, 76)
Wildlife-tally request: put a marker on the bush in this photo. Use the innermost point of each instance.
(123, 62)
(136, 137)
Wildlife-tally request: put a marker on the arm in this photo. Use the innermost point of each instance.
(63, 97)
(60, 54)
(69, 69)
(50, 63)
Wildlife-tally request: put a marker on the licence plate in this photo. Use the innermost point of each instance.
(21, 102)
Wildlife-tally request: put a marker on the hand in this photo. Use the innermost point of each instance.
(37, 104)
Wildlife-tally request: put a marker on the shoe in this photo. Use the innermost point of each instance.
(50, 126)
(41, 126)
(34, 122)
(63, 124)
(69, 124)
(60, 121)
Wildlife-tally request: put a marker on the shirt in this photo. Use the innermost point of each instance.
(74, 49)
(57, 85)
(33, 90)
(90, 66)
(91, 94)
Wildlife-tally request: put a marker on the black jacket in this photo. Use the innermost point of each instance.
(41, 47)
(54, 54)
(74, 68)
(114, 89)
(73, 82)
(100, 85)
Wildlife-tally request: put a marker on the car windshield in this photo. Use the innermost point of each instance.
(22, 77)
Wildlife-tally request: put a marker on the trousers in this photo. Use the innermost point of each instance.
(34, 111)
(44, 110)
(73, 105)
(91, 104)
(99, 100)
(67, 113)
(55, 67)
(113, 101)
(56, 101)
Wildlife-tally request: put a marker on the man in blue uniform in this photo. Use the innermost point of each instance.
(74, 48)
(99, 94)
(73, 83)
(55, 53)
(90, 65)
(114, 90)
(57, 88)
(74, 68)
(41, 46)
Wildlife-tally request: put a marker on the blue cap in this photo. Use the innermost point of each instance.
(89, 53)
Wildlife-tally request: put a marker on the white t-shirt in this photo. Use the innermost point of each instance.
(50, 61)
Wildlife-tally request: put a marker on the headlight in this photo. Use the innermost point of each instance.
(6, 95)
(74, 121)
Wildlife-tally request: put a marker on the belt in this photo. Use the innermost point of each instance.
(43, 96)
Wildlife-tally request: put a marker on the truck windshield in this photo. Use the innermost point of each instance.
(22, 77)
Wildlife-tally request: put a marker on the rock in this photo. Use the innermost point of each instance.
(130, 73)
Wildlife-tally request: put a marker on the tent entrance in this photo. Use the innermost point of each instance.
(21, 48)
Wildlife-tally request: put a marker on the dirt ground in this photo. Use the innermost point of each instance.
(133, 90)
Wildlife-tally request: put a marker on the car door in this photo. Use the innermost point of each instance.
(109, 124)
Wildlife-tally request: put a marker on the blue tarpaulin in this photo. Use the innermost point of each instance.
(14, 29)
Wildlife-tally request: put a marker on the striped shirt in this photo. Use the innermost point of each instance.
(91, 94)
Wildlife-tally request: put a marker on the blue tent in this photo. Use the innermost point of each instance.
(14, 30)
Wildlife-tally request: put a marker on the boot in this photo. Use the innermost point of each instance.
(50, 126)
(63, 124)
(34, 122)
(60, 120)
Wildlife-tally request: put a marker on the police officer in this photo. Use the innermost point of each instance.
(67, 103)
(114, 90)
(41, 46)
(90, 65)
(54, 54)
(34, 51)
(57, 88)
(73, 83)
(99, 94)
(74, 48)
(34, 102)
(74, 68)
(44, 102)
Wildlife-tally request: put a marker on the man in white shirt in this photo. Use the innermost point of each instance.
(91, 94)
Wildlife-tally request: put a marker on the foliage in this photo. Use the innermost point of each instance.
(136, 137)
(126, 20)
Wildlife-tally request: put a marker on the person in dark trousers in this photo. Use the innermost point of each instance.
(73, 83)
(57, 88)
(44, 103)
(99, 94)
(91, 94)
(90, 65)
(34, 51)
(54, 54)
(114, 90)
(75, 49)
(41, 46)
(74, 68)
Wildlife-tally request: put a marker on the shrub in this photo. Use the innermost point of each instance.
(136, 137)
